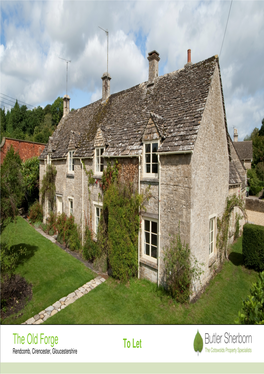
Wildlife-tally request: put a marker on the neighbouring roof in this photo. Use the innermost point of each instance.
(175, 103)
(244, 150)
(234, 176)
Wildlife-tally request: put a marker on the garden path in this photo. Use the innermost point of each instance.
(64, 302)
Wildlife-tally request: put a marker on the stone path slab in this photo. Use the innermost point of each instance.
(64, 302)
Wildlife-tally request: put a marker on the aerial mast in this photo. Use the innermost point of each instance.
(67, 61)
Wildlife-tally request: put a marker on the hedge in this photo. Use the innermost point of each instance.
(253, 246)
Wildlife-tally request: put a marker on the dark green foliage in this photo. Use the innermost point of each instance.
(181, 268)
(36, 212)
(91, 249)
(66, 229)
(261, 131)
(48, 188)
(30, 172)
(260, 172)
(255, 185)
(253, 246)
(12, 191)
(223, 223)
(110, 175)
(252, 311)
(122, 206)
(258, 149)
(34, 125)
(198, 343)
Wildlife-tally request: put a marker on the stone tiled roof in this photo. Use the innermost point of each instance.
(175, 103)
(234, 176)
(244, 150)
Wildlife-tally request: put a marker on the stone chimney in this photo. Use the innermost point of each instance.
(235, 135)
(153, 58)
(66, 105)
(105, 86)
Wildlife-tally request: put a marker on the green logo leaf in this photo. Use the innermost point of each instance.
(198, 343)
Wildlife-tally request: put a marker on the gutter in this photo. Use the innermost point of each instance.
(174, 153)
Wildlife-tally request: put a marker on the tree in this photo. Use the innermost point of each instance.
(261, 131)
(254, 133)
(12, 191)
(56, 110)
(30, 173)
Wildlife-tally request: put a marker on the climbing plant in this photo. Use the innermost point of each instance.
(48, 188)
(223, 223)
(119, 223)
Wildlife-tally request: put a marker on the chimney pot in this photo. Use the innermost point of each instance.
(66, 105)
(153, 58)
(189, 58)
(105, 86)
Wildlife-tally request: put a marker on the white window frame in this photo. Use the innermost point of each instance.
(71, 200)
(99, 162)
(97, 205)
(70, 162)
(48, 159)
(147, 239)
(58, 197)
(212, 234)
(145, 173)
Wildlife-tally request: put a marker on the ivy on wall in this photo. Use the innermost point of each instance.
(48, 188)
(223, 223)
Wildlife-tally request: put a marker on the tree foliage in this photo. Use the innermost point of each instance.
(34, 125)
(12, 191)
(252, 312)
(30, 173)
(48, 188)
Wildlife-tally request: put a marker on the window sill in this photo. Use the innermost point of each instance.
(149, 263)
(71, 176)
(149, 180)
(98, 176)
(212, 259)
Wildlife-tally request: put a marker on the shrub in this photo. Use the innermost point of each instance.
(68, 232)
(51, 223)
(253, 246)
(252, 311)
(255, 185)
(36, 212)
(91, 249)
(181, 269)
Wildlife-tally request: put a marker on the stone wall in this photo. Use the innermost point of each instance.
(25, 148)
(210, 178)
(255, 211)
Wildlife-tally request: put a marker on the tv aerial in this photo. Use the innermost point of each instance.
(107, 48)
(67, 61)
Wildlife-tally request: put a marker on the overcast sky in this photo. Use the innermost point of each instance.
(35, 33)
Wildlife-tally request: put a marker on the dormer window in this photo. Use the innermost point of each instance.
(70, 162)
(99, 161)
(151, 159)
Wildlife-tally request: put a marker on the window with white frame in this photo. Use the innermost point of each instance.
(70, 162)
(151, 158)
(150, 239)
(99, 161)
(211, 235)
(98, 212)
(70, 206)
(48, 159)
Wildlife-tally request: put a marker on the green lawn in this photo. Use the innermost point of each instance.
(139, 301)
(52, 272)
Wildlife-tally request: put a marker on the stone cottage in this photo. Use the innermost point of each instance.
(244, 150)
(169, 133)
